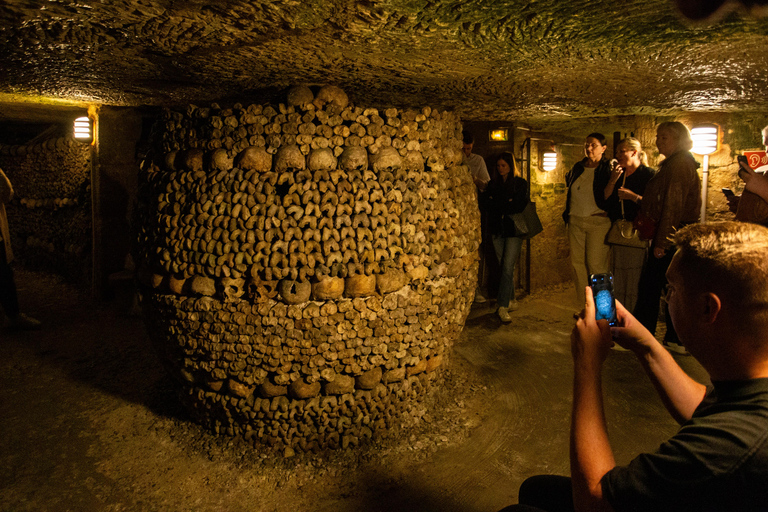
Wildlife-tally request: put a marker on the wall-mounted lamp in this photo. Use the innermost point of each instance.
(706, 139)
(499, 135)
(549, 160)
(82, 129)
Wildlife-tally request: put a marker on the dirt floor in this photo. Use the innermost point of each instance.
(90, 422)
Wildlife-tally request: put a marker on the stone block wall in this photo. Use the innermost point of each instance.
(308, 264)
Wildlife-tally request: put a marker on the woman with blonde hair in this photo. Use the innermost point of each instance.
(624, 192)
(672, 199)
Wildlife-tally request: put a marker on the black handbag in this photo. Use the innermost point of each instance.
(527, 222)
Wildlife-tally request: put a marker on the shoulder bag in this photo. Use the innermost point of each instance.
(623, 232)
(527, 222)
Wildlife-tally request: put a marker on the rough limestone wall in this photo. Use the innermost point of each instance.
(50, 215)
(310, 263)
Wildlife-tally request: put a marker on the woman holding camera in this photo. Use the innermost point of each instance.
(585, 213)
(624, 192)
(507, 194)
(671, 200)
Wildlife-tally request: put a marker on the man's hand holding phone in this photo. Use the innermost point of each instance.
(630, 333)
(746, 173)
(733, 199)
(590, 338)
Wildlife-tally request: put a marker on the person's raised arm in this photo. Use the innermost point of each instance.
(591, 454)
(679, 392)
(754, 182)
(616, 173)
(483, 178)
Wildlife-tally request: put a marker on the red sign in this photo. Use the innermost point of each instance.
(756, 159)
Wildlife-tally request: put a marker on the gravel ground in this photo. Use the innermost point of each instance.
(90, 421)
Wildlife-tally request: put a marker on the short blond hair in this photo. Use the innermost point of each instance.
(681, 133)
(729, 259)
(635, 145)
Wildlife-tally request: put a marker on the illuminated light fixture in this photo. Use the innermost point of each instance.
(499, 135)
(706, 139)
(82, 131)
(549, 161)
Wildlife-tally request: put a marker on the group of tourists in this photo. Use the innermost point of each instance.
(600, 193)
(715, 279)
(603, 191)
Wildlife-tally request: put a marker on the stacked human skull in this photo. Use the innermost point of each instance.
(50, 215)
(308, 280)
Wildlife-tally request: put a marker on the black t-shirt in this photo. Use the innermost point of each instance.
(717, 461)
(635, 182)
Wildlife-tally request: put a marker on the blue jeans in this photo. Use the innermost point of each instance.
(507, 252)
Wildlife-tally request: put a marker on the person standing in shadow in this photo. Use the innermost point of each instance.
(480, 177)
(8, 297)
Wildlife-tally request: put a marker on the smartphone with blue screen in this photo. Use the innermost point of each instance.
(602, 291)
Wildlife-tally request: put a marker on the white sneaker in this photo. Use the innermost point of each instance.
(513, 306)
(480, 298)
(504, 315)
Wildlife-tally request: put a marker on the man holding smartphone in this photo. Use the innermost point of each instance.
(718, 460)
(752, 204)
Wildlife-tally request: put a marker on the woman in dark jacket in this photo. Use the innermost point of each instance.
(507, 194)
(585, 213)
(672, 199)
(624, 192)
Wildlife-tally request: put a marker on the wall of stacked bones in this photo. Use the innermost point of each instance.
(50, 214)
(309, 263)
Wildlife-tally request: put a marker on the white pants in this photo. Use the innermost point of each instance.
(589, 252)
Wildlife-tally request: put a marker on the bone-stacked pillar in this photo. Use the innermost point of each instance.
(310, 263)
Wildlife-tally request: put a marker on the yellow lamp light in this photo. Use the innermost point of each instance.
(82, 129)
(549, 161)
(706, 138)
(499, 135)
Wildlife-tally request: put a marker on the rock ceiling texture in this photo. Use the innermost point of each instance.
(485, 59)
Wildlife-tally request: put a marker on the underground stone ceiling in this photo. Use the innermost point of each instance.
(485, 59)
